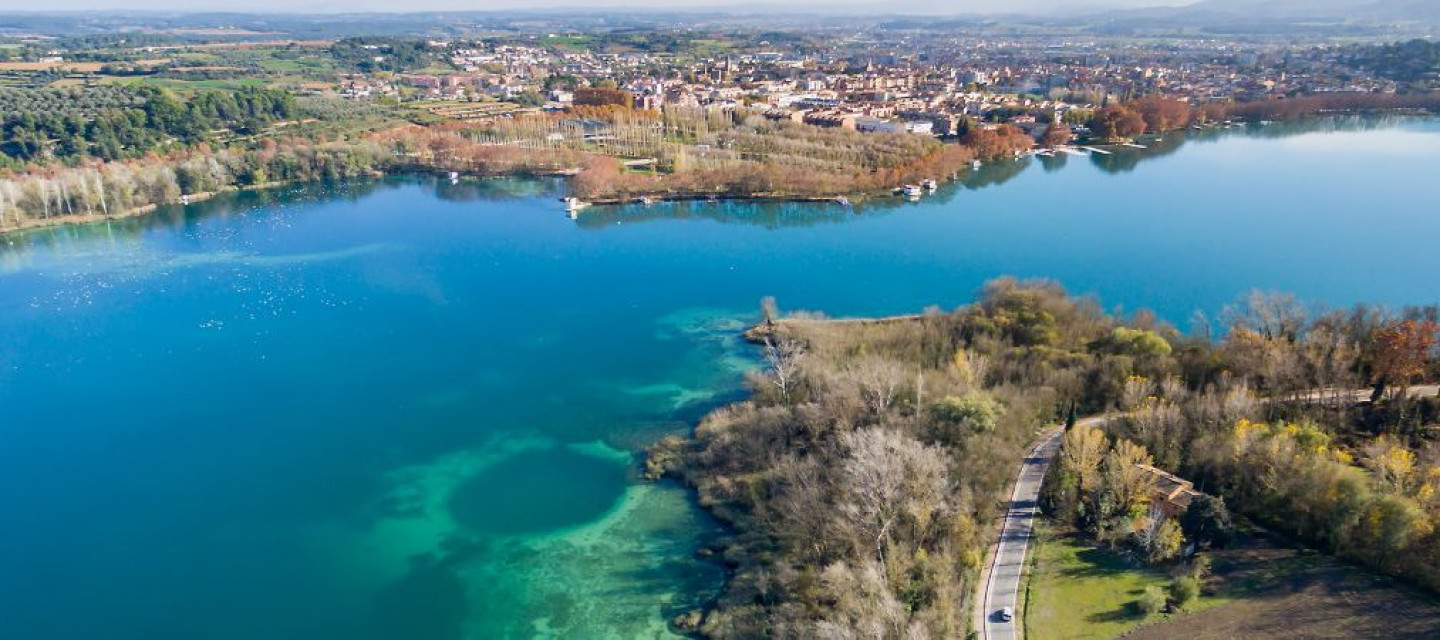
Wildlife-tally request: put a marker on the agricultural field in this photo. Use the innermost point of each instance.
(468, 111)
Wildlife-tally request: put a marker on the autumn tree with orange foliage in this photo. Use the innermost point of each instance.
(1402, 351)
(1162, 114)
(1117, 123)
(601, 97)
(1058, 134)
(997, 143)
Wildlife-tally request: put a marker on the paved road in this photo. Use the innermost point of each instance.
(1002, 579)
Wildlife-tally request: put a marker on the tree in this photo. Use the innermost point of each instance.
(889, 476)
(1402, 350)
(975, 412)
(995, 143)
(530, 99)
(1392, 463)
(600, 96)
(1081, 453)
(1139, 343)
(782, 360)
(1058, 134)
(1207, 521)
(1117, 123)
(1125, 484)
(878, 380)
(1162, 114)
(769, 310)
(1272, 315)
(1158, 537)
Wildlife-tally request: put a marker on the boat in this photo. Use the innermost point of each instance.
(573, 206)
(930, 184)
(975, 165)
(645, 200)
(842, 201)
(912, 190)
(454, 175)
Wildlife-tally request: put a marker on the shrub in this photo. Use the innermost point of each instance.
(1151, 602)
(1184, 591)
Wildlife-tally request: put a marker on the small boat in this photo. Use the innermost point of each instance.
(184, 199)
(930, 184)
(912, 190)
(975, 165)
(842, 201)
(454, 175)
(573, 206)
(645, 200)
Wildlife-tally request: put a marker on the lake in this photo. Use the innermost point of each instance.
(410, 409)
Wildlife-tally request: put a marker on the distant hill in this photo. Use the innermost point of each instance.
(1363, 10)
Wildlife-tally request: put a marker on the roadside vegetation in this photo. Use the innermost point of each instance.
(863, 476)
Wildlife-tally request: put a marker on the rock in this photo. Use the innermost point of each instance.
(689, 621)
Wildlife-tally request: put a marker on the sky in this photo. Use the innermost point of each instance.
(326, 6)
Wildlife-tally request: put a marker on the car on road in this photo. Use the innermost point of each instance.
(1005, 614)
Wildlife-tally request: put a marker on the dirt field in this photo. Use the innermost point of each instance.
(1280, 592)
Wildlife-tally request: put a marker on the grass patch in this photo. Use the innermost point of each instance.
(1078, 591)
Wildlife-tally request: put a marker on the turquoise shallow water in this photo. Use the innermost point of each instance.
(409, 409)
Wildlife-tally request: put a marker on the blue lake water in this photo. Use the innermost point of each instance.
(409, 409)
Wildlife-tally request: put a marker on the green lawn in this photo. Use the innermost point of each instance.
(1078, 591)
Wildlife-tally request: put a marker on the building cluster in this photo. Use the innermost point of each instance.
(923, 84)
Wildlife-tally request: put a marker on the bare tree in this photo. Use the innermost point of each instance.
(878, 381)
(783, 361)
(1276, 316)
(769, 311)
(889, 476)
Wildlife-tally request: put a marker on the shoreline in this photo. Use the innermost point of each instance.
(71, 220)
(67, 220)
(659, 196)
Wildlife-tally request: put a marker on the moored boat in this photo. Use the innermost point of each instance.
(573, 206)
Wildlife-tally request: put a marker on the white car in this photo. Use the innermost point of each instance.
(1006, 614)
